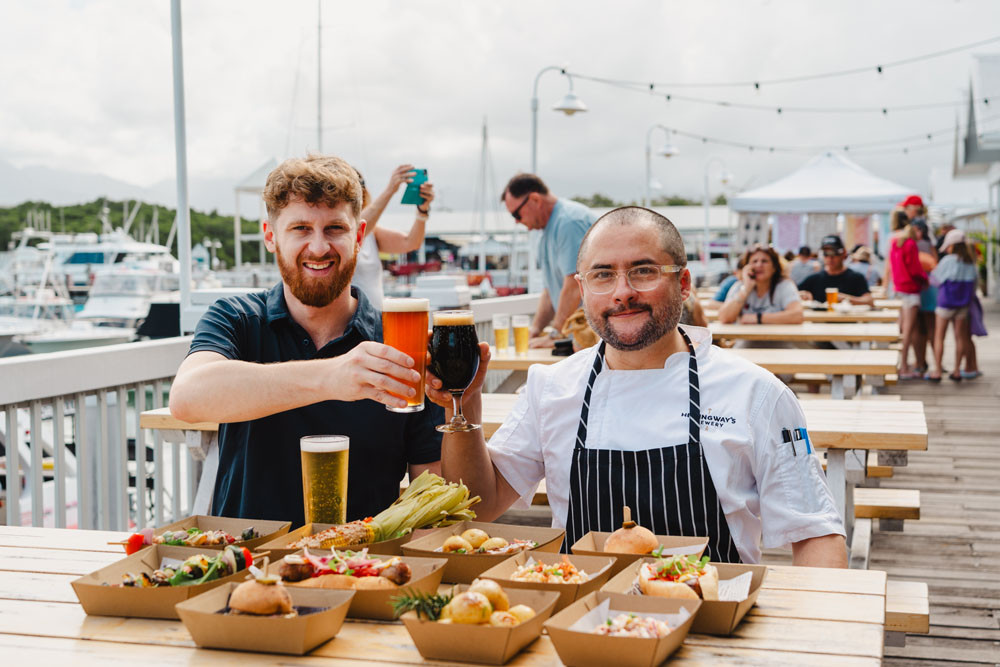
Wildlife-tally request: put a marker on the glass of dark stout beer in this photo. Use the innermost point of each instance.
(455, 360)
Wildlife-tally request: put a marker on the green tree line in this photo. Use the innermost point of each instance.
(86, 218)
(598, 200)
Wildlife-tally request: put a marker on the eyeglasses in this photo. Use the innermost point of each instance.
(831, 253)
(642, 278)
(517, 211)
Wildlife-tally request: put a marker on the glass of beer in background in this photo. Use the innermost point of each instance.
(522, 327)
(501, 332)
(324, 477)
(455, 360)
(404, 327)
(832, 296)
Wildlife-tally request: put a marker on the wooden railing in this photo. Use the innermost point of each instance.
(81, 408)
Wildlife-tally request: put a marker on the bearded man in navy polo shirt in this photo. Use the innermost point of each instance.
(304, 358)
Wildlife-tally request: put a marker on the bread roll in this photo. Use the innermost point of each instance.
(634, 540)
(373, 584)
(252, 597)
(337, 581)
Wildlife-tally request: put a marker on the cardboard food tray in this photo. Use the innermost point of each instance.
(592, 544)
(583, 649)
(268, 530)
(280, 548)
(243, 632)
(463, 568)
(100, 600)
(425, 577)
(481, 643)
(598, 567)
(715, 617)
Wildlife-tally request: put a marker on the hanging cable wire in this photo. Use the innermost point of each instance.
(756, 84)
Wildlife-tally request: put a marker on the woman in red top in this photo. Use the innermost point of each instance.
(908, 279)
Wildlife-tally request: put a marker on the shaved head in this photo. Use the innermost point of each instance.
(670, 238)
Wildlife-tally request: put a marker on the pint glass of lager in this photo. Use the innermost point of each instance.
(501, 332)
(522, 333)
(324, 477)
(455, 360)
(832, 296)
(404, 327)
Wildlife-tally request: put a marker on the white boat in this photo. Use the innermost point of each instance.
(121, 298)
(74, 336)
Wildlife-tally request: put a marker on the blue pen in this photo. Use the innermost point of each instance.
(805, 436)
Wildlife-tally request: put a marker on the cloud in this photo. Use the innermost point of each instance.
(88, 86)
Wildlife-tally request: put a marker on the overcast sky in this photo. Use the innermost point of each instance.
(86, 86)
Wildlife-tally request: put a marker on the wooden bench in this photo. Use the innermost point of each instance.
(907, 611)
(890, 506)
(872, 468)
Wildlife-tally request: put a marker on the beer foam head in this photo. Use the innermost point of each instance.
(453, 318)
(324, 444)
(405, 305)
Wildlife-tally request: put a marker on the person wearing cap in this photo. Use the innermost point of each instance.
(861, 261)
(913, 206)
(955, 276)
(835, 274)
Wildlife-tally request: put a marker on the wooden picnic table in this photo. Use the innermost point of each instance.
(862, 334)
(802, 616)
(842, 365)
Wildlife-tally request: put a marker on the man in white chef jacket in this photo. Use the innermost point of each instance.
(695, 440)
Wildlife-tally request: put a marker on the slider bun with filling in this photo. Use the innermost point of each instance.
(707, 585)
(252, 597)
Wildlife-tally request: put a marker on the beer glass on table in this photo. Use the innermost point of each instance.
(455, 360)
(501, 332)
(832, 296)
(324, 477)
(404, 327)
(522, 333)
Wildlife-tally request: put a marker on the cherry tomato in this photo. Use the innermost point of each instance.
(134, 543)
(247, 557)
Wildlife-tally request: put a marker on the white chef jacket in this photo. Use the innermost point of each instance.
(769, 495)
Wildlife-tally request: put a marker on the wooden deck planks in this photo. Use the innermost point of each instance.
(955, 546)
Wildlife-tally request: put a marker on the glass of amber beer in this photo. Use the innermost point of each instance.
(501, 332)
(455, 360)
(324, 477)
(404, 327)
(832, 296)
(522, 327)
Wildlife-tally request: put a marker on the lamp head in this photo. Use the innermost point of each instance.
(570, 104)
(668, 150)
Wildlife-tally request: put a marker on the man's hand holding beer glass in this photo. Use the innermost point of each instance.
(472, 399)
(373, 370)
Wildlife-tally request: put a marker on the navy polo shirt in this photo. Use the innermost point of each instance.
(260, 470)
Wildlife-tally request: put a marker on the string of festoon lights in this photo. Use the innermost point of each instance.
(913, 142)
(756, 84)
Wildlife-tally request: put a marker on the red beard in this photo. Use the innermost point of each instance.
(316, 292)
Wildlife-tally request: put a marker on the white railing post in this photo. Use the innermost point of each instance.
(59, 455)
(140, 457)
(158, 497)
(13, 468)
(105, 477)
(85, 488)
(121, 461)
(36, 478)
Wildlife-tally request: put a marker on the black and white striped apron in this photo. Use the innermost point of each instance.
(669, 489)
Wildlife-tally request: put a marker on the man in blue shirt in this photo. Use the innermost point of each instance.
(304, 358)
(564, 223)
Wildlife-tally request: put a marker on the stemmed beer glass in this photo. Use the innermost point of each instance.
(454, 351)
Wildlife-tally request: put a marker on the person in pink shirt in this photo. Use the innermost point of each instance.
(908, 279)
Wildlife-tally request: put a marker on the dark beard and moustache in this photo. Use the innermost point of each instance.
(663, 319)
(316, 293)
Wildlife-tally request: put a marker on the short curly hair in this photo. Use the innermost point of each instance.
(316, 179)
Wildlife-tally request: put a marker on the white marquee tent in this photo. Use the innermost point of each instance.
(828, 183)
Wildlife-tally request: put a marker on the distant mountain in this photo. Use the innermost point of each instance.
(62, 188)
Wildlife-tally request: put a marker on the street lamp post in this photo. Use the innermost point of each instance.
(667, 150)
(725, 177)
(569, 105)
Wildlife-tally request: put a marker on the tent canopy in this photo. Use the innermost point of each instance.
(828, 183)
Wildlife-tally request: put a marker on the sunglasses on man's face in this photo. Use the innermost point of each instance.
(517, 211)
(831, 253)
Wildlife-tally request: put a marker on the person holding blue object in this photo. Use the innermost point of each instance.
(563, 223)
(955, 277)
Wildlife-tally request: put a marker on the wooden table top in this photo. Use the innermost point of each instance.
(832, 424)
(809, 332)
(832, 362)
(802, 616)
(839, 316)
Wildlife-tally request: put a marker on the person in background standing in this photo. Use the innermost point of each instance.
(368, 272)
(908, 278)
(923, 335)
(956, 278)
(803, 266)
(563, 223)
